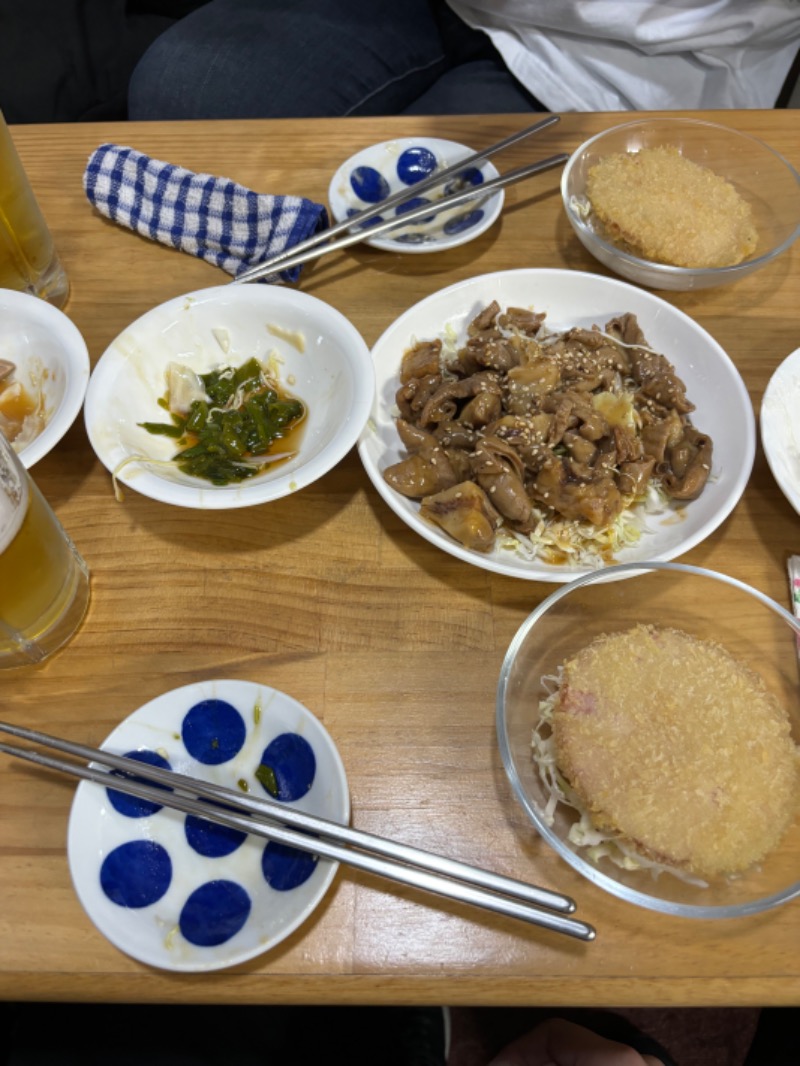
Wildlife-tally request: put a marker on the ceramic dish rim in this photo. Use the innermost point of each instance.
(76, 374)
(440, 540)
(771, 440)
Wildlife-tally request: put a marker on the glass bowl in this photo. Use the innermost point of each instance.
(760, 174)
(707, 605)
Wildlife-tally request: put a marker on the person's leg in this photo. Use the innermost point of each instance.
(477, 80)
(479, 87)
(272, 59)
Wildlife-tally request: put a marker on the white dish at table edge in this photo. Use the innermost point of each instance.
(572, 298)
(56, 362)
(780, 427)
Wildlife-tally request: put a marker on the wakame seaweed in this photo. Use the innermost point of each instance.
(240, 420)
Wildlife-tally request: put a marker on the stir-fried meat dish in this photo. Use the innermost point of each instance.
(521, 426)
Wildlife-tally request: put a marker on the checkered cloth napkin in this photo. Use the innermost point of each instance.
(213, 218)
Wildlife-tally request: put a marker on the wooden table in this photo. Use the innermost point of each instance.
(327, 596)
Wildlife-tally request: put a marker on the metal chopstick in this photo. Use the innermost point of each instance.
(407, 865)
(286, 262)
(276, 811)
(400, 197)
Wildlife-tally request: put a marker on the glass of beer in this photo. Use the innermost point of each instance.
(28, 258)
(44, 582)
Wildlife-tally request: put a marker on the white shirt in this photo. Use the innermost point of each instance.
(638, 55)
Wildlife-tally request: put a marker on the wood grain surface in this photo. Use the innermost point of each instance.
(326, 595)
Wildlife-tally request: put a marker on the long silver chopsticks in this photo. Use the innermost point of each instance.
(266, 818)
(324, 237)
(424, 211)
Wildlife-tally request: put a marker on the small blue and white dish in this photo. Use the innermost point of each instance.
(181, 893)
(378, 172)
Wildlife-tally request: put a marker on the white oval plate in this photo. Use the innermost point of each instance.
(223, 326)
(398, 164)
(780, 427)
(212, 911)
(570, 298)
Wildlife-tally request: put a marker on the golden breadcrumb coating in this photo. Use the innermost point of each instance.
(666, 208)
(672, 742)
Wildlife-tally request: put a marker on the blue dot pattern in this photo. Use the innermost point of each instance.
(132, 806)
(291, 758)
(214, 913)
(213, 732)
(210, 839)
(413, 165)
(463, 222)
(369, 184)
(410, 205)
(370, 221)
(469, 177)
(285, 868)
(411, 238)
(138, 873)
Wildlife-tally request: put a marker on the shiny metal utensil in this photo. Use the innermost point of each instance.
(400, 197)
(286, 261)
(266, 818)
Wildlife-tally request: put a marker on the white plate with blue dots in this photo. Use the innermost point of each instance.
(182, 893)
(378, 172)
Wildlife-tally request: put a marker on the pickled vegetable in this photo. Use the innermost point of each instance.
(234, 431)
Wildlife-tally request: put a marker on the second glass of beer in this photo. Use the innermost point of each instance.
(44, 582)
(28, 258)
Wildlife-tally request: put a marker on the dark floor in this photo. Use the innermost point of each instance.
(86, 1035)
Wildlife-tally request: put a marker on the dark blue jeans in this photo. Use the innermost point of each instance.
(316, 58)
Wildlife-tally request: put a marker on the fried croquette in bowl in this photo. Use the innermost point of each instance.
(680, 204)
(648, 721)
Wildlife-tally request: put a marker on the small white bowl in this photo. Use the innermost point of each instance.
(321, 359)
(760, 174)
(573, 298)
(51, 360)
(178, 892)
(780, 433)
(382, 170)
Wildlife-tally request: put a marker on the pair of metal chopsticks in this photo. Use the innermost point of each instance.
(323, 242)
(386, 858)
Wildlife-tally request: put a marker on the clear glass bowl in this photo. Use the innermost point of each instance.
(760, 174)
(756, 630)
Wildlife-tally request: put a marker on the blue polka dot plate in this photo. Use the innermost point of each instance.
(378, 172)
(182, 893)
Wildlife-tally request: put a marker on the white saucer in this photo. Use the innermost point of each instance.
(382, 170)
(181, 893)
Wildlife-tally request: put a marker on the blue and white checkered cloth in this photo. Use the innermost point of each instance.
(213, 218)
